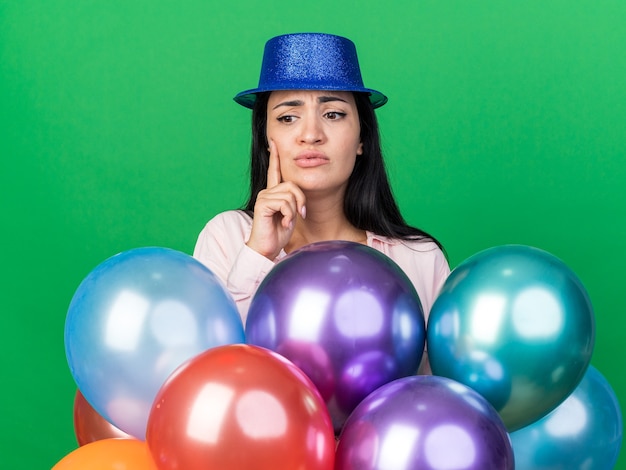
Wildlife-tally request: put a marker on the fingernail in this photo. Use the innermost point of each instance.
(303, 212)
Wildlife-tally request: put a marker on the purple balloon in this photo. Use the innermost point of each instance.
(344, 313)
(425, 422)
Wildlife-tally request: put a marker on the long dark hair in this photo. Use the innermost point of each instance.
(368, 203)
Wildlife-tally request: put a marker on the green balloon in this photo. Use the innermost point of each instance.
(516, 324)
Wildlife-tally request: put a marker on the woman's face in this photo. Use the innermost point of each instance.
(317, 137)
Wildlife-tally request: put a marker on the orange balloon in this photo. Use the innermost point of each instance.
(90, 426)
(240, 407)
(109, 454)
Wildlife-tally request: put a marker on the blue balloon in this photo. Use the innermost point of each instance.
(344, 313)
(516, 324)
(134, 319)
(583, 432)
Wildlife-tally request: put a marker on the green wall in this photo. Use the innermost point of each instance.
(506, 124)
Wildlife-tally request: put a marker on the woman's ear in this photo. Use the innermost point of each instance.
(359, 150)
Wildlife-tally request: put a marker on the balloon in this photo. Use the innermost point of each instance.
(240, 406)
(109, 454)
(344, 313)
(516, 324)
(427, 423)
(134, 319)
(89, 426)
(583, 432)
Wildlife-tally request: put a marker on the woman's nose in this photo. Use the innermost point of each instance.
(311, 131)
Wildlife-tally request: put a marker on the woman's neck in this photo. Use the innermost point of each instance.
(324, 222)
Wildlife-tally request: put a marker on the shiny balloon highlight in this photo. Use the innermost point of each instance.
(516, 324)
(134, 319)
(344, 313)
(585, 431)
(427, 423)
(238, 407)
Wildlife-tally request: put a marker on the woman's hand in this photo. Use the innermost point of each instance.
(275, 211)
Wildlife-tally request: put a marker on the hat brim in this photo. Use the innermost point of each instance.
(247, 98)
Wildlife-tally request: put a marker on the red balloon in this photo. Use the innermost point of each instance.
(240, 406)
(90, 426)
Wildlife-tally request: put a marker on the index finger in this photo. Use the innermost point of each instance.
(274, 176)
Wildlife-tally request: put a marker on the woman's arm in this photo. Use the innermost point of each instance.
(221, 246)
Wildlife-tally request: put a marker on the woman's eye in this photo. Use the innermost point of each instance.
(286, 119)
(334, 115)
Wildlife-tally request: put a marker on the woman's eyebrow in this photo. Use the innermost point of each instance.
(327, 99)
(321, 99)
(289, 103)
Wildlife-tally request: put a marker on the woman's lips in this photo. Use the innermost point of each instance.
(311, 159)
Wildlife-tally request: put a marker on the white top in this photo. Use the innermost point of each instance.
(221, 246)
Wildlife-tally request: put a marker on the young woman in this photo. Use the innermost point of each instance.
(317, 173)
